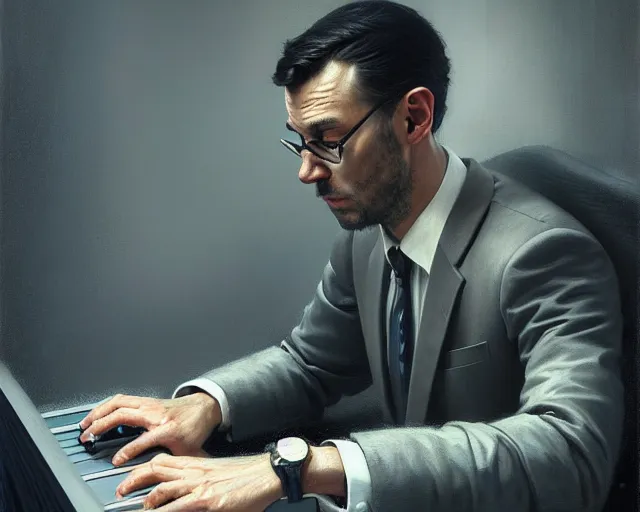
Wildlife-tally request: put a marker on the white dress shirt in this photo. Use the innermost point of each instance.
(419, 244)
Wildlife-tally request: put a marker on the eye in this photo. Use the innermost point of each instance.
(330, 144)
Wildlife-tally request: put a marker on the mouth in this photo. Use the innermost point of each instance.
(335, 202)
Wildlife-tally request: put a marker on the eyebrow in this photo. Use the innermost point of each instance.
(318, 126)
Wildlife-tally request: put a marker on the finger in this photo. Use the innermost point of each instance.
(145, 441)
(186, 503)
(108, 407)
(146, 475)
(122, 416)
(168, 491)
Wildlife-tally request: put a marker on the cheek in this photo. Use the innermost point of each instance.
(366, 183)
(365, 173)
(356, 180)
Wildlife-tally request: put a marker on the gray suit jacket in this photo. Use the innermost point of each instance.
(515, 401)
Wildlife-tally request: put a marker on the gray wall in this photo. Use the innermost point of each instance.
(2, 80)
(152, 225)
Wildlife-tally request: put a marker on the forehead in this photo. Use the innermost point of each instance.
(331, 93)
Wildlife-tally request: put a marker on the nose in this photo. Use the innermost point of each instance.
(312, 169)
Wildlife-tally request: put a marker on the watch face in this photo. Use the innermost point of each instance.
(293, 449)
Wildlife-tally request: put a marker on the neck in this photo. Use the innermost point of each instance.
(428, 174)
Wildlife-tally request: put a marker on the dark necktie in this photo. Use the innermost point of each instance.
(400, 332)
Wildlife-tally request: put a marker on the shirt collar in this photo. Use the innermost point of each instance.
(421, 241)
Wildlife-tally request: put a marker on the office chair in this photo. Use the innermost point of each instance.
(607, 206)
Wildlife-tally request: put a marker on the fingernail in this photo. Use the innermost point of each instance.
(117, 459)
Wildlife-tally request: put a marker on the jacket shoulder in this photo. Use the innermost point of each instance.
(528, 208)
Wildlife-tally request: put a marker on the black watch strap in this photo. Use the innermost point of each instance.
(294, 483)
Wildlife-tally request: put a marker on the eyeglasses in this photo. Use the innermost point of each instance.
(329, 151)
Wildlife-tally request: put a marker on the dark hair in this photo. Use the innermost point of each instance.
(393, 48)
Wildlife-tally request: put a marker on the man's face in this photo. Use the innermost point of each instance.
(372, 185)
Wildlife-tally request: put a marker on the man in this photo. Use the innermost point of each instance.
(487, 319)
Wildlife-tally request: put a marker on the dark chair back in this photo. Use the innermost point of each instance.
(607, 206)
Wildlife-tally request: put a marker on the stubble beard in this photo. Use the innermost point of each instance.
(386, 192)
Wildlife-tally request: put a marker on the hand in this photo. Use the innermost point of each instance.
(243, 484)
(181, 424)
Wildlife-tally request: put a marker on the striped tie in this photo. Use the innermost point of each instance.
(400, 332)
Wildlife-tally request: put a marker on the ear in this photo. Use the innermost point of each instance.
(419, 104)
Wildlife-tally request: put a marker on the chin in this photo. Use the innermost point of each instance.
(352, 222)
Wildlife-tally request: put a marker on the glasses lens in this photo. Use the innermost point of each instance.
(331, 155)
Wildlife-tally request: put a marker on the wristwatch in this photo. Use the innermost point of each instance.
(287, 458)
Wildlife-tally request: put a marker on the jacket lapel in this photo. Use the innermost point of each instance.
(445, 284)
(371, 276)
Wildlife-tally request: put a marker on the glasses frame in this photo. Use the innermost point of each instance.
(335, 148)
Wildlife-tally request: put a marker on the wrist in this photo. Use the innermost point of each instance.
(274, 489)
(211, 409)
(323, 472)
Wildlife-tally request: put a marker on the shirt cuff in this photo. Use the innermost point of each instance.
(211, 388)
(357, 474)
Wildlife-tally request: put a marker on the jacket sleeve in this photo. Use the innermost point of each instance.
(323, 359)
(560, 303)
